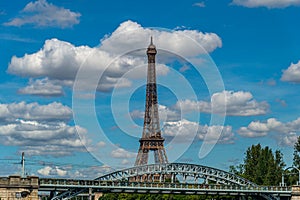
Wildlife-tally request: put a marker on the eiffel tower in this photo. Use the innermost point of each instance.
(151, 139)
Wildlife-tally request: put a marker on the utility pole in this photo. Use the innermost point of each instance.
(23, 165)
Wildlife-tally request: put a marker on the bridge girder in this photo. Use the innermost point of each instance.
(185, 170)
(121, 179)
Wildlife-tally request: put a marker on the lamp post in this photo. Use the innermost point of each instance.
(292, 167)
(298, 182)
(282, 180)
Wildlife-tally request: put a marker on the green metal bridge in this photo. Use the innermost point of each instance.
(171, 178)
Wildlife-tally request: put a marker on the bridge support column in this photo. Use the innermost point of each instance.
(90, 193)
(172, 177)
(295, 192)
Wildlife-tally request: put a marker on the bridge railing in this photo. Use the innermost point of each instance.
(65, 183)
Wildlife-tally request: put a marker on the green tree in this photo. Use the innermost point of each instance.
(296, 159)
(280, 165)
(292, 174)
(261, 165)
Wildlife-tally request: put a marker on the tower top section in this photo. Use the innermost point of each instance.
(151, 48)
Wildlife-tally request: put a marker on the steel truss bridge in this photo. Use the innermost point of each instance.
(171, 178)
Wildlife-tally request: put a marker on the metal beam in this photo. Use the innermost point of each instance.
(222, 182)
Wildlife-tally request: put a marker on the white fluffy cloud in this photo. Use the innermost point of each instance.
(44, 139)
(234, 103)
(57, 62)
(165, 114)
(200, 4)
(34, 111)
(55, 171)
(130, 35)
(70, 171)
(52, 60)
(121, 153)
(292, 73)
(288, 139)
(45, 171)
(185, 129)
(212, 134)
(40, 129)
(182, 129)
(43, 14)
(284, 133)
(42, 87)
(266, 3)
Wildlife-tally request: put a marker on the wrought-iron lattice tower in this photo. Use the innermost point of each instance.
(151, 139)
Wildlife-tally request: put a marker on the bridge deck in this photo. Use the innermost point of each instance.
(185, 179)
(153, 187)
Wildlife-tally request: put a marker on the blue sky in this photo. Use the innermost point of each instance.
(73, 77)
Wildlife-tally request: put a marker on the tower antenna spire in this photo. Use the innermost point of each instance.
(151, 40)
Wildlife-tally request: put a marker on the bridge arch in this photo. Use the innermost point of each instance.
(191, 172)
(122, 180)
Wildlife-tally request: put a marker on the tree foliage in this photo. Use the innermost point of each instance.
(292, 175)
(296, 160)
(261, 166)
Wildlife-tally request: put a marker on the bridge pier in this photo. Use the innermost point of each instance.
(295, 192)
(15, 187)
(90, 193)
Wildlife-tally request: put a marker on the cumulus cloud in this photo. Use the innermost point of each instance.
(42, 87)
(44, 139)
(130, 35)
(91, 172)
(292, 73)
(125, 162)
(57, 62)
(165, 114)
(227, 102)
(45, 171)
(137, 114)
(34, 111)
(199, 4)
(56, 171)
(185, 129)
(43, 14)
(284, 133)
(121, 153)
(266, 3)
(212, 134)
(70, 171)
(41, 129)
(288, 139)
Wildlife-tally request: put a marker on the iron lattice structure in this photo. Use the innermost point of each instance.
(151, 138)
(196, 174)
(195, 179)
